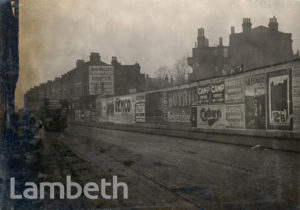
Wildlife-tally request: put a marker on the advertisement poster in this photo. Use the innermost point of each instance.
(204, 94)
(124, 109)
(101, 80)
(235, 116)
(234, 90)
(182, 115)
(140, 109)
(255, 93)
(217, 93)
(211, 116)
(279, 97)
(179, 104)
(104, 109)
(154, 107)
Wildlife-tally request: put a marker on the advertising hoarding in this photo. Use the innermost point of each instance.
(211, 116)
(235, 116)
(101, 80)
(234, 90)
(255, 94)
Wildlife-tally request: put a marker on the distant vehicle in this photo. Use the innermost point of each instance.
(52, 115)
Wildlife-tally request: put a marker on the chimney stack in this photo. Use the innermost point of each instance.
(79, 63)
(220, 41)
(95, 57)
(273, 24)
(232, 30)
(114, 58)
(246, 25)
(201, 38)
(201, 32)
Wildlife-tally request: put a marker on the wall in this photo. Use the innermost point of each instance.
(264, 101)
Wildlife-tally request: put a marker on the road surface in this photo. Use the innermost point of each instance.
(167, 172)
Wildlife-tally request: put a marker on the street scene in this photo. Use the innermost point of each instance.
(126, 110)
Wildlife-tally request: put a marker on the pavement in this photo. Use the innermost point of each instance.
(275, 143)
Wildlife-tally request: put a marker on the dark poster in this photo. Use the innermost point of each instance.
(217, 93)
(194, 116)
(279, 100)
(154, 107)
(204, 94)
(255, 93)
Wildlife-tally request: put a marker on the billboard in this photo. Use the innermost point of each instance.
(124, 109)
(255, 94)
(104, 109)
(140, 109)
(217, 93)
(279, 100)
(211, 116)
(179, 104)
(204, 94)
(234, 90)
(235, 116)
(101, 80)
(155, 107)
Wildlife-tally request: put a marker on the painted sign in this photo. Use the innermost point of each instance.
(217, 93)
(279, 97)
(204, 94)
(255, 93)
(140, 109)
(234, 90)
(235, 116)
(211, 116)
(101, 80)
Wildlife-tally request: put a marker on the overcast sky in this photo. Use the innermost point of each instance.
(154, 33)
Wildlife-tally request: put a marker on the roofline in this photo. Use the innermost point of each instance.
(248, 70)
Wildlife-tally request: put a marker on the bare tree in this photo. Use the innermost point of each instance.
(181, 70)
(163, 71)
(178, 72)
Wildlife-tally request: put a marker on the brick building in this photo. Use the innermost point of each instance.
(252, 48)
(82, 84)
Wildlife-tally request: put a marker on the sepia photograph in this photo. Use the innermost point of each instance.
(130, 104)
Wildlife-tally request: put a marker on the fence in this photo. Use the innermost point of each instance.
(262, 101)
